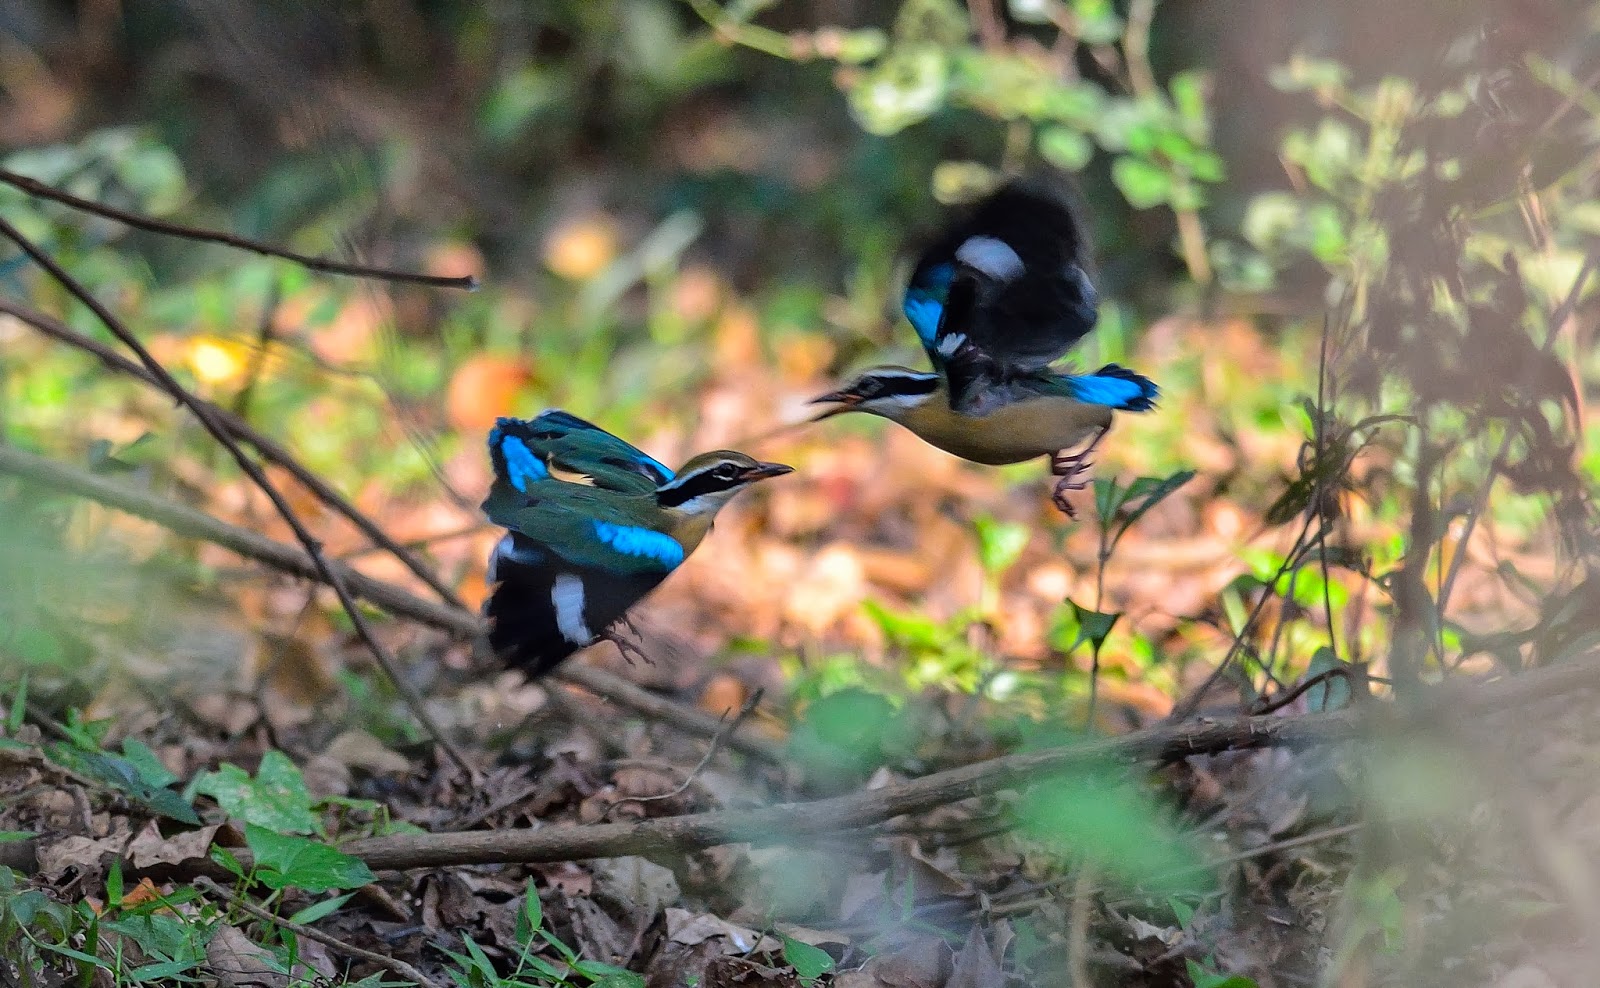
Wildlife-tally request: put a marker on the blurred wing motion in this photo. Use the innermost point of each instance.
(526, 451)
(1002, 293)
(574, 558)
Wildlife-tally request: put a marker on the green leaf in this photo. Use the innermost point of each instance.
(1154, 490)
(1203, 978)
(621, 979)
(1182, 910)
(123, 775)
(6, 836)
(1332, 693)
(857, 47)
(1109, 496)
(317, 910)
(1143, 183)
(161, 971)
(151, 771)
(284, 860)
(532, 909)
(906, 87)
(227, 860)
(999, 543)
(808, 961)
(114, 884)
(1093, 626)
(276, 799)
(19, 707)
(1108, 817)
(1067, 149)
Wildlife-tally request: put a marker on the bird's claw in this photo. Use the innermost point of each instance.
(615, 636)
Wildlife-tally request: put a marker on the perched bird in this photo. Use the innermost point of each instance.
(593, 525)
(998, 297)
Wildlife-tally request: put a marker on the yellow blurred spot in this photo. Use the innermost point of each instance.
(216, 361)
(581, 248)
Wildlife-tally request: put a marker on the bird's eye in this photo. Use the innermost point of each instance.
(725, 472)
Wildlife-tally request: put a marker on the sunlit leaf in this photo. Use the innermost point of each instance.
(285, 860)
(1143, 183)
(275, 799)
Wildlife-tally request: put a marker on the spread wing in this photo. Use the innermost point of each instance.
(1002, 293)
(586, 527)
(526, 451)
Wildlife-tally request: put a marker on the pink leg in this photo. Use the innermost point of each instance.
(615, 636)
(1069, 467)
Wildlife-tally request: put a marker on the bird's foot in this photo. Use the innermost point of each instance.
(1059, 496)
(1071, 467)
(626, 646)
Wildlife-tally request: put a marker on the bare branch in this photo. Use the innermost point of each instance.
(34, 187)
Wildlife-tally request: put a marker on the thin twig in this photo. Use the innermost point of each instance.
(1185, 707)
(1279, 702)
(711, 752)
(391, 964)
(34, 187)
(270, 449)
(1481, 500)
(190, 523)
(209, 417)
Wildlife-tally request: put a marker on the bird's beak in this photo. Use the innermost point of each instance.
(842, 401)
(762, 471)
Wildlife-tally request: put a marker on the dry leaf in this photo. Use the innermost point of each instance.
(81, 853)
(690, 928)
(923, 964)
(645, 884)
(358, 749)
(976, 966)
(149, 848)
(239, 962)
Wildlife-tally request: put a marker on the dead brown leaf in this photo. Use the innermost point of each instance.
(976, 965)
(149, 848)
(239, 962)
(923, 964)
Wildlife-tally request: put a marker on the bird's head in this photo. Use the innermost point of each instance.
(890, 392)
(709, 481)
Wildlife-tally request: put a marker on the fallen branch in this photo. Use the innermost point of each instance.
(189, 523)
(34, 187)
(791, 822)
(241, 430)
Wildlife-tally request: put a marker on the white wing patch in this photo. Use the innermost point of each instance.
(567, 596)
(992, 256)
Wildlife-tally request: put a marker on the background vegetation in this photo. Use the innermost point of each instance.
(1352, 243)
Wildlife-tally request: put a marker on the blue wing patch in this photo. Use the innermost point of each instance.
(633, 541)
(924, 301)
(924, 313)
(522, 467)
(1115, 387)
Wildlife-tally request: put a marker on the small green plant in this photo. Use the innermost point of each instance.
(474, 969)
